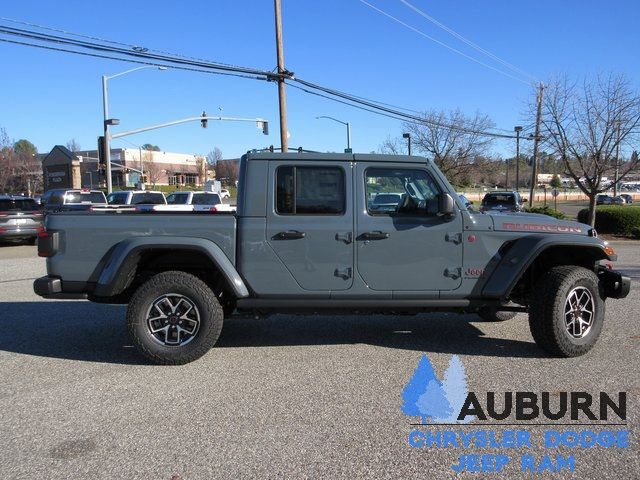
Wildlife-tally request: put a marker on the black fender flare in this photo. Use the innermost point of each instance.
(523, 252)
(122, 261)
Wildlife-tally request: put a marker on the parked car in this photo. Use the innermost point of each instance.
(627, 198)
(20, 219)
(193, 201)
(304, 241)
(74, 199)
(385, 202)
(502, 202)
(136, 197)
(618, 200)
(604, 200)
(467, 203)
(224, 193)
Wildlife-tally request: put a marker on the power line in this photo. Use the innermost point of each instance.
(146, 58)
(468, 42)
(128, 60)
(420, 32)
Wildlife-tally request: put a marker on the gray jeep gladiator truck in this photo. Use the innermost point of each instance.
(308, 237)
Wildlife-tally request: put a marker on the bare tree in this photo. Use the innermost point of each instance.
(214, 156)
(587, 125)
(393, 146)
(452, 139)
(228, 170)
(152, 170)
(73, 145)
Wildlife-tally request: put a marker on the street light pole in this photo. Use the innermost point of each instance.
(107, 146)
(106, 120)
(348, 125)
(517, 129)
(408, 137)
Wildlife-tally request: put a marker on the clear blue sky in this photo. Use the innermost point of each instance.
(50, 98)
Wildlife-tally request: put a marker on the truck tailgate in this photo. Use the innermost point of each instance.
(85, 238)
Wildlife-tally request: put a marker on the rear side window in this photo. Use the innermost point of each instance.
(178, 199)
(117, 198)
(148, 199)
(310, 190)
(18, 205)
(206, 199)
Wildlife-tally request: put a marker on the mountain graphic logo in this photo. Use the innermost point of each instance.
(435, 400)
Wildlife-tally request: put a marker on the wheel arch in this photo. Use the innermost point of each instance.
(136, 257)
(527, 258)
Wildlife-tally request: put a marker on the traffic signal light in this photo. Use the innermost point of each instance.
(102, 161)
(204, 120)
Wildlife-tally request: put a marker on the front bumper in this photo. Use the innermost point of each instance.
(52, 287)
(614, 283)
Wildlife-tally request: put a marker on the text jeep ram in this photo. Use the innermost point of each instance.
(309, 236)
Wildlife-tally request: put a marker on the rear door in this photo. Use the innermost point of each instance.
(402, 244)
(310, 222)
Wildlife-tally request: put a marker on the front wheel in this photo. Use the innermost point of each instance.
(174, 318)
(567, 311)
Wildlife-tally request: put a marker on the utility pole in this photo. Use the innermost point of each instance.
(282, 98)
(616, 174)
(536, 144)
(408, 137)
(517, 129)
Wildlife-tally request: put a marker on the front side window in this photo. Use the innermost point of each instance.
(310, 190)
(400, 191)
(148, 199)
(117, 198)
(178, 199)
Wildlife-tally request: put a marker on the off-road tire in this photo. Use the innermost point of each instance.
(189, 286)
(490, 314)
(547, 310)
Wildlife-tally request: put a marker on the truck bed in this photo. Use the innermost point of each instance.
(90, 237)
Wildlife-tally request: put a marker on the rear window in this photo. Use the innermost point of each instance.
(18, 205)
(84, 197)
(310, 190)
(206, 199)
(178, 199)
(499, 200)
(148, 199)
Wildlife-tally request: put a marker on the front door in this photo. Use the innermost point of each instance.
(402, 244)
(310, 222)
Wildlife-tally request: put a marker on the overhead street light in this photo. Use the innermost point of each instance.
(348, 125)
(408, 137)
(112, 121)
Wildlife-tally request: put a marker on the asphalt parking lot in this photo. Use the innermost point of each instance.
(283, 397)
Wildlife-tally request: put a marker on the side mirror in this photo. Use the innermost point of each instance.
(445, 205)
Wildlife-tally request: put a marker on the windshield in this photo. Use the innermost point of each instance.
(18, 205)
(84, 197)
(497, 199)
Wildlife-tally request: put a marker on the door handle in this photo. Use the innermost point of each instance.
(289, 235)
(374, 235)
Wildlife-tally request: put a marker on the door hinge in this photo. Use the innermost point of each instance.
(454, 237)
(344, 273)
(344, 237)
(453, 272)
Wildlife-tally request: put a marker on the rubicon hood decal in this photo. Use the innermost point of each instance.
(540, 227)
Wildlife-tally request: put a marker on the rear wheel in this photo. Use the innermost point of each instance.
(490, 314)
(567, 311)
(174, 318)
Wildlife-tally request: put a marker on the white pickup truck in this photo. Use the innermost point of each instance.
(192, 202)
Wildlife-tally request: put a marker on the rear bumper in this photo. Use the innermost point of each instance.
(52, 287)
(615, 284)
(15, 233)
